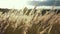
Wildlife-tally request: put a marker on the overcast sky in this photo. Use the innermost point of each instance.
(12, 3)
(17, 4)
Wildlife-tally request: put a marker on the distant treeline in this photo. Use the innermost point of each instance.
(43, 10)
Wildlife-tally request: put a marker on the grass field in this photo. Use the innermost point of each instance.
(27, 21)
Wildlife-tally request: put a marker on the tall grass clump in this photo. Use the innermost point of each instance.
(29, 21)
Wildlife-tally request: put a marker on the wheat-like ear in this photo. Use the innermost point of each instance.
(25, 22)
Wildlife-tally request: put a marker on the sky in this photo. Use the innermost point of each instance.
(16, 4)
(12, 4)
(45, 3)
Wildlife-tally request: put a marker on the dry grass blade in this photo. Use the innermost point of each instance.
(29, 21)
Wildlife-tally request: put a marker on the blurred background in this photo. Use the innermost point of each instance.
(6, 5)
(19, 4)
